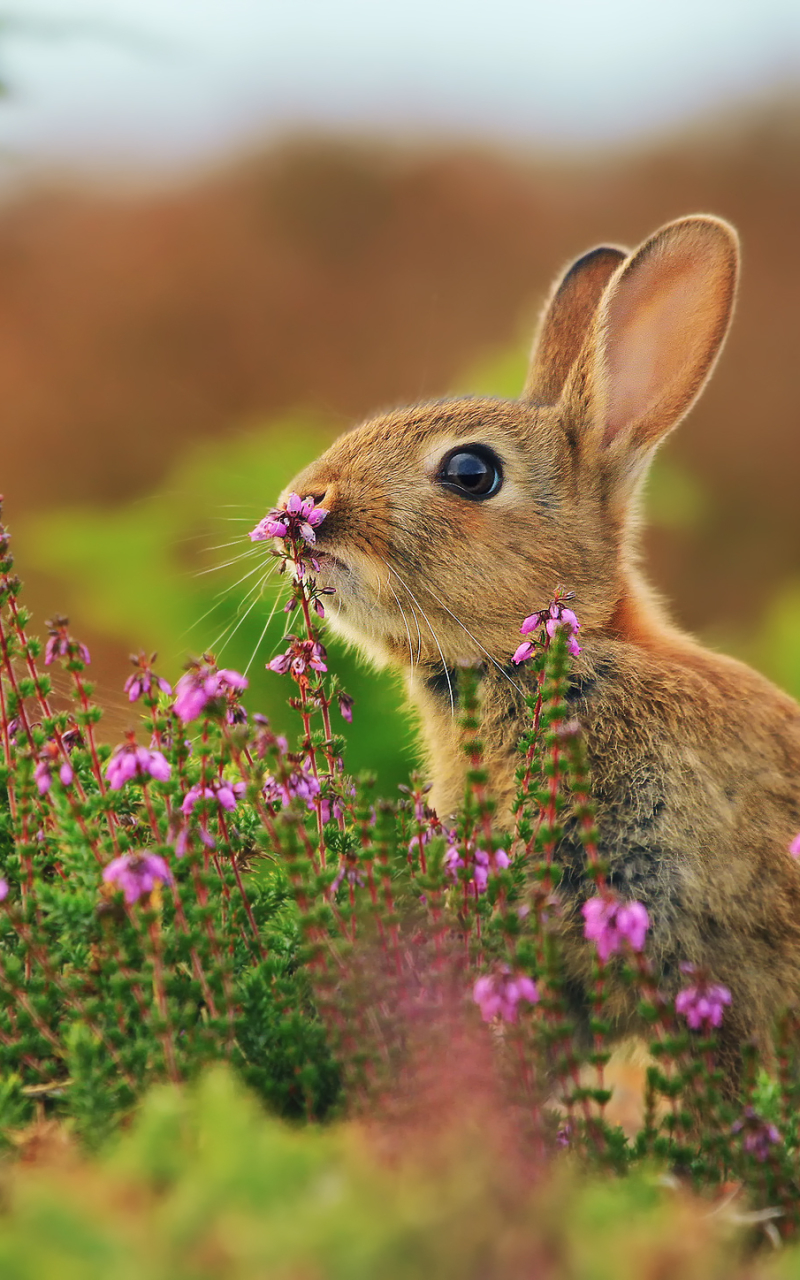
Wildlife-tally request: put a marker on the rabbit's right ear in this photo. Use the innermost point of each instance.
(565, 322)
(653, 342)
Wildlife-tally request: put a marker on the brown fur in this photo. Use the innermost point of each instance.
(695, 757)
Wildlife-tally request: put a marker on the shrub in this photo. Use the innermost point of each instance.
(229, 894)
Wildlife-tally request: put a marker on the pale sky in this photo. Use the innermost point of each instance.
(165, 82)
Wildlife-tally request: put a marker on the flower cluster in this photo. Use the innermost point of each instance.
(477, 863)
(48, 764)
(227, 794)
(129, 760)
(204, 684)
(301, 657)
(557, 615)
(612, 925)
(758, 1136)
(299, 784)
(500, 993)
(701, 1004)
(137, 874)
(297, 519)
(144, 679)
(60, 643)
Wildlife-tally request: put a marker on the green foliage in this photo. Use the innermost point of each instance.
(206, 1187)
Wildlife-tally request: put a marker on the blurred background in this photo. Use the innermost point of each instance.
(231, 228)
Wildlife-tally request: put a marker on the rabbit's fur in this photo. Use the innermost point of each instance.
(695, 757)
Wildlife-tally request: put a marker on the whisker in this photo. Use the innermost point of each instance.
(226, 590)
(226, 634)
(405, 624)
(275, 604)
(215, 568)
(502, 671)
(430, 628)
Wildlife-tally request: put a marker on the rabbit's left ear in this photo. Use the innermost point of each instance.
(565, 322)
(655, 336)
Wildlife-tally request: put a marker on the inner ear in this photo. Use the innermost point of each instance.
(661, 326)
(565, 322)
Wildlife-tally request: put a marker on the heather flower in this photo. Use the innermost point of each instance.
(3, 889)
(345, 706)
(47, 764)
(557, 615)
(794, 847)
(478, 864)
(301, 656)
(201, 685)
(701, 1004)
(758, 1135)
(612, 924)
(227, 794)
(129, 760)
(299, 518)
(60, 643)
(144, 679)
(500, 993)
(299, 784)
(137, 874)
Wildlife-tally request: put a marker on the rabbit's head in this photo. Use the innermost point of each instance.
(450, 521)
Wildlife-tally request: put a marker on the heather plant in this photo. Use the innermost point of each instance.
(217, 891)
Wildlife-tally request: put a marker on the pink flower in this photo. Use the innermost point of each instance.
(703, 1003)
(611, 924)
(301, 656)
(48, 762)
(526, 650)
(227, 794)
(3, 889)
(794, 847)
(477, 863)
(129, 760)
(137, 874)
(500, 993)
(300, 784)
(60, 644)
(299, 518)
(758, 1136)
(345, 707)
(144, 679)
(203, 684)
(557, 615)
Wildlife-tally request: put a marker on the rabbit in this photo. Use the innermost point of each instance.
(451, 521)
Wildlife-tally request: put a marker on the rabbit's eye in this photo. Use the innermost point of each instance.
(472, 471)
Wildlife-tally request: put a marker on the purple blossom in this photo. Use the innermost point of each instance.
(129, 760)
(203, 684)
(702, 1004)
(227, 794)
(47, 764)
(60, 644)
(300, 517)
(557, 615)
(3, 889)
(345, 706)
(500, 993)
(794, 847)
(137, 874)
(478, 864)
(758, 1135)
(301, 656)
(611, 924)
(144, 679)
(299, 784)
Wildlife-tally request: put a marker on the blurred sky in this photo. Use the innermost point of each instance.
(162, 82)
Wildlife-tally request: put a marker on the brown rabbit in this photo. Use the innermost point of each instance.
(451, 521)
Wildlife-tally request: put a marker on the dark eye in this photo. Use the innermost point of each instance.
(472, 471)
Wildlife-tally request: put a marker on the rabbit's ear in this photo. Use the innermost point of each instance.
(657, 333)
(565, 321)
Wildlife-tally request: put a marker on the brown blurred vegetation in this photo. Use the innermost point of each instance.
(345, 276)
